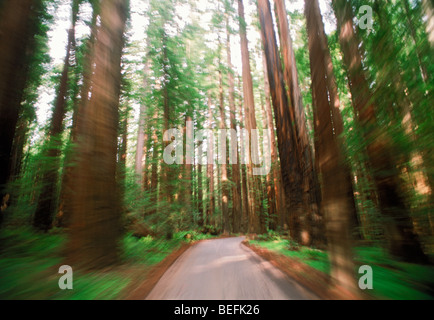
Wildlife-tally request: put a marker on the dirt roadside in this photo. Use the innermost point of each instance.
(318, 282)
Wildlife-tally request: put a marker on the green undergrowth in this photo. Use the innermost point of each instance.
(314, 258)
(29, 264)
(392, 279)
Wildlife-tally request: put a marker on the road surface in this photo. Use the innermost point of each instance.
(224, 269)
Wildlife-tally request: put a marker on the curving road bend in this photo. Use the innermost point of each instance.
(225, 269)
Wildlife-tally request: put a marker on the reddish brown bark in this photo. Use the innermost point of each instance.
(290, 155)
(277, 178)
(235, 173)
(269, 179)
(68, 182)
(337, 204)
(96, 216)
(336, 117)
(249, 107)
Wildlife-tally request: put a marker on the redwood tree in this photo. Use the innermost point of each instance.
(249, 108)
(235, 173)
(18, 25)
(336, 203)
(287, 133)
(96, 212)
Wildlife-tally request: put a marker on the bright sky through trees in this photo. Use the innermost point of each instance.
(138, 25)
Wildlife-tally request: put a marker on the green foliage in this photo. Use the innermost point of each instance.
(148, 250)
(391, 279)
(315, 258)
(29, 263)
(182, 74)
(192, 235)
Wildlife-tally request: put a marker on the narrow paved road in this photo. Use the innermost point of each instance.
(224, 269)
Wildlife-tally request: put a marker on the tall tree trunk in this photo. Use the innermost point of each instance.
(188, 169)
(122, 151)
(270, 194)
(68, 181)
(244, 188)
(275, 169)
(249, 107)
(88, 69)
(225, 183)
(290, 75)
(96, 216)
(47, 204)
(18, 147)
(336, 117)
(141, 150)
(337, 204)
(292, 175)
(235, 173)
(154, 167)
(210, 168)
(403, 242)
(18, 21)
(201, 218)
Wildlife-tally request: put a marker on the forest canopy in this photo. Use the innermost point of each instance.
(308, 122)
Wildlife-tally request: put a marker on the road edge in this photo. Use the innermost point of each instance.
(314, 280)
(154, 274)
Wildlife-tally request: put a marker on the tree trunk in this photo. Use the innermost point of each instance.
(292, 175)
(141, 150)
(336, 117)
(270, 191)
(235, 174)
(244, 191)
(403, 242)
(68, 182)
(47, 204)
(18, 147)
(188, 170)
(18, 21)
(154, 168)
(210, 169)
(122, 151)
(337, 204)
(277, 178)
(225, 183)
(96, 216)
(290, 75)
(201, 219)
(249, 107)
